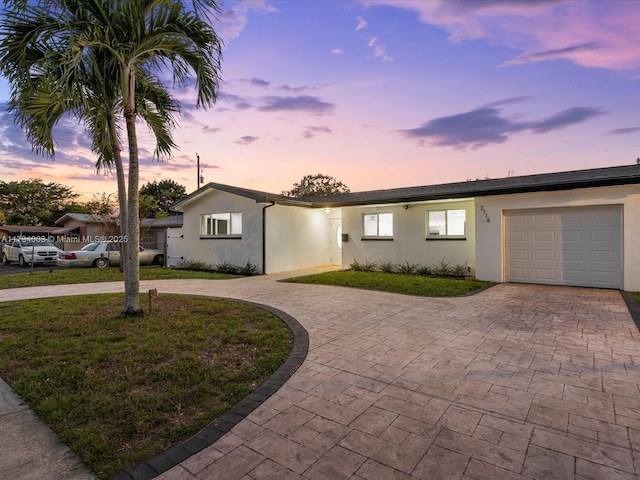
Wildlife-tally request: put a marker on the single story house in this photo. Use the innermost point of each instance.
(568, 228)
(82, 228)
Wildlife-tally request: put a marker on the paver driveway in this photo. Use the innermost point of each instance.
(519, 381)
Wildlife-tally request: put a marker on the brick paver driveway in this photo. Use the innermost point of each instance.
(516, 382)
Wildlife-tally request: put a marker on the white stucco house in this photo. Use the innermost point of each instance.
(570, 228)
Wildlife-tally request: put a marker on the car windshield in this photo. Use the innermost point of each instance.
(90, 247)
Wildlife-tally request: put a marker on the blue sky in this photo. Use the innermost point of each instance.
(391, 93)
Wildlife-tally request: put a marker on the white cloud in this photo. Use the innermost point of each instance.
(379, 50)
(232, 20)
(337, 51)
(362, 23)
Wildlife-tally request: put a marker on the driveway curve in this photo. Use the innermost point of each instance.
(516, 382)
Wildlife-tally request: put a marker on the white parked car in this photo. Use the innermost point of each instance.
(104, 254)
(28, 250)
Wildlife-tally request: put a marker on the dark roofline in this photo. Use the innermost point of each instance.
(27, 228)
(545, 182)
(258, 196)
(596, 177)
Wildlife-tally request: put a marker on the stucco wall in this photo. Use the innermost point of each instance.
(409, 242)
(297, 237)
(237, 251)
(490, 241)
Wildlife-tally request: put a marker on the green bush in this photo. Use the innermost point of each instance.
(364, 267)
(407, 268)
(196, 265)
(424, 270)
(226, 267)
(460, 270)
(248, 269)
(442, 269)
(387, 267)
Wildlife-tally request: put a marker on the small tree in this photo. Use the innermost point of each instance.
(161, 195)
(33, 202)
(316, 185)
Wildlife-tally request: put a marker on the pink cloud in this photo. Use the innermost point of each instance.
(588, 33)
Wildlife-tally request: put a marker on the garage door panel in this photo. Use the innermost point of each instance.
(521, 274)
(603, 256)
(543, 219)
(518, 254)
(544, 274)
(568, 246)
(573, 275)
(604, 236)
(573, 256)
(544, 255)
(518, 236)
(542, 236)
(573, 236)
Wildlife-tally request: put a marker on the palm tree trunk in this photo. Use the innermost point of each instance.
(122, 188)
(132, 269)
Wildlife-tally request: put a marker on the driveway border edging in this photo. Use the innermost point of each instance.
(225, 422)
(632, 306)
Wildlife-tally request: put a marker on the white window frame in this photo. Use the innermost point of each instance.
(445, 227)
(384, 233)
(221, 225)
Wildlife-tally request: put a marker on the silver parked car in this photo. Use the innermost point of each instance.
(104, 254)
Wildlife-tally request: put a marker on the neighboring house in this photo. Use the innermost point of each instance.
(83, 228)
(568, 228)
(154, 230)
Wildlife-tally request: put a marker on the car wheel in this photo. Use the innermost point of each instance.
(159, 260)
(101, 262)
(22, 262)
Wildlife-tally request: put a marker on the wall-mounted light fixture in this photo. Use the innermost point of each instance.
(406, 207)
(327, 210)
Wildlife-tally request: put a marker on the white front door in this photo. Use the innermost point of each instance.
(335, 241)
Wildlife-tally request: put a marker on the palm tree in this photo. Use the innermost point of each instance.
(132, 40)
(40, 104)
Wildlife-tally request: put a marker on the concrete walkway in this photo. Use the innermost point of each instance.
(517, 382)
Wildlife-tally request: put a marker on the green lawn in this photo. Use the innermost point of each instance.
(395, 283)
(119, 391)
(60, 276)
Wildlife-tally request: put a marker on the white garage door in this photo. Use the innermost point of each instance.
(579, 246)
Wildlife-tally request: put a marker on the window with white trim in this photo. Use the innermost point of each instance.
(446, 223)
(377, 225)
(221, 224)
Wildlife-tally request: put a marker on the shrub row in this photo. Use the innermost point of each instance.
(442, 269)
(247, 269)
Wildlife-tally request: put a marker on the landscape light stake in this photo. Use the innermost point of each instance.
(152, 294)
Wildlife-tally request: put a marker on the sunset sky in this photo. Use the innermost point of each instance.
(390, 93)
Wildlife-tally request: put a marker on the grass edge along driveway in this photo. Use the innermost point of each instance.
(120, 391)
(395, 283)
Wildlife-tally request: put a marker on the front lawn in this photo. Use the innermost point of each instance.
(61, 276)
(120, 391)
(395, 283)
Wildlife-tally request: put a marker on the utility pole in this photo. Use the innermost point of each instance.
(198, 171)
